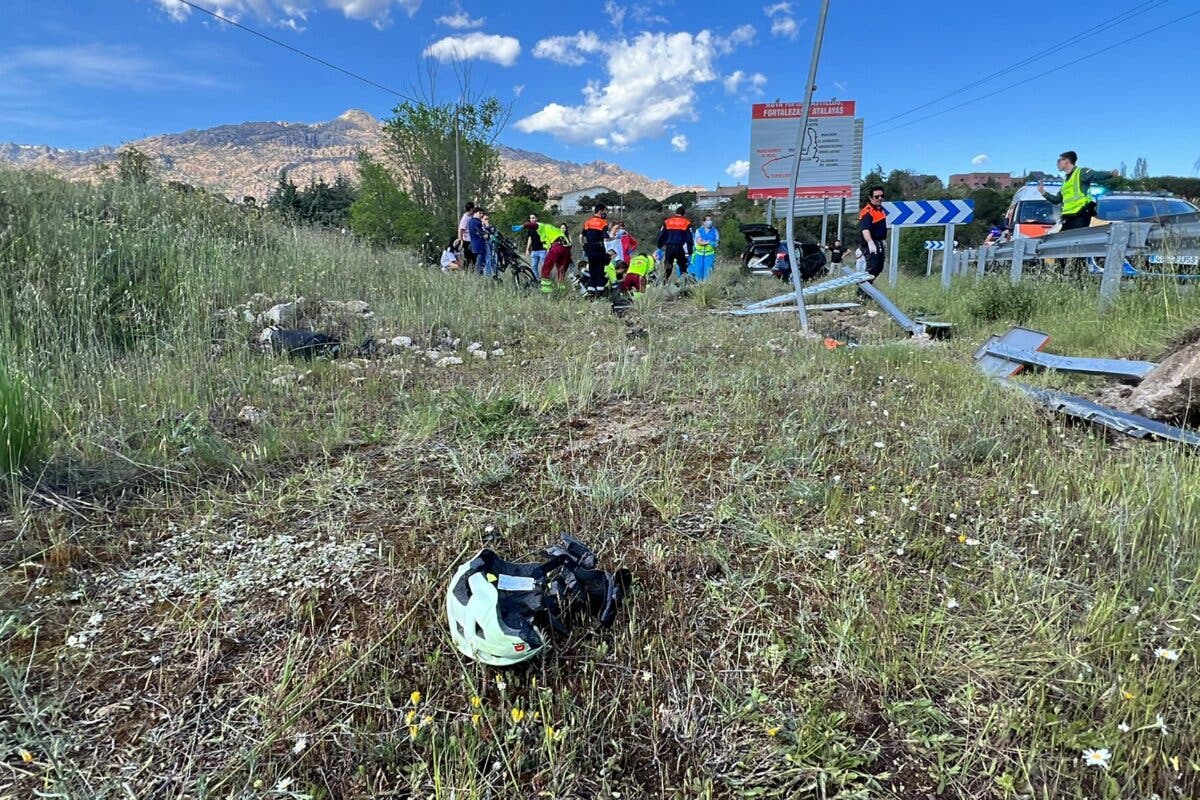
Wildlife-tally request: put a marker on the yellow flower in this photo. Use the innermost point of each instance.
(550, 732)
(476, 702)
(412, 731)
(773, 731)
(537, 715)
(1174, 762)
(426, 720)
(517, 715)
(25, 755)
(872, 488)
(409, 717)
(962, 537)
(1128, 695)
(475, 719)
(415, 697)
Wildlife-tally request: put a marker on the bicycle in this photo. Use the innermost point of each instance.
(509, 260)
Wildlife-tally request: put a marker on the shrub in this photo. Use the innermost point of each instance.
(997, 299)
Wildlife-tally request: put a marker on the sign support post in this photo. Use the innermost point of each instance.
(800, 136)
(948, 257)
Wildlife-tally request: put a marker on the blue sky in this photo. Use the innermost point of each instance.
(658, 86)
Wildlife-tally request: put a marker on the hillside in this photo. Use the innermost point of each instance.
(245, 159)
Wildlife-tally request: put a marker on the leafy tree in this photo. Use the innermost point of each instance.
(586, 203)
(514, 210)
(609, 199)
(283, 198)
(634, 200)
(680, 198)
(420, 148)
(134, 167)
(521, 187)
(1141, 169)
(384, 214)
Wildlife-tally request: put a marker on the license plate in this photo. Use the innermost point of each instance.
(1187, 261)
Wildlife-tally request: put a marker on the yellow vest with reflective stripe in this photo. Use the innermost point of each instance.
(641, 264)
(1074, 198)
(549, 234)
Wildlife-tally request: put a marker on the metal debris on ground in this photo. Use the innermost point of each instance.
(1129, 424)
(1005, 356)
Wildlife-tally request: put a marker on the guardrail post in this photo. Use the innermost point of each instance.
(929, 264)
(985, 253)
(948, 257)
(1114, 263)
(1018, 259)
(894, 256)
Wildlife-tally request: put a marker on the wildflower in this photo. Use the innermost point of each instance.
(647, 676)
(859, 521)
(517, 715)
(1097, 758)
(25, 755)
(951, 603)
(962, 538)
(1127, 695)
(415, 697)
(500, 684)
(1167, 653)
(476, 702)
(301, 743)
(1161, 724)
(872, 488)
(1174, 762)
(971, 542)
(1123, 728)
(409, 717)
(475, 719)
(413, 730)
(879, 445)
(773, 731)
(832, 555)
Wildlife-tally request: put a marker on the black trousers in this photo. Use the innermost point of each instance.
(876, 260)
(674, 254)
(597, 260)
(1072, 222)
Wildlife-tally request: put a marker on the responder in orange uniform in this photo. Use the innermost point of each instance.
(595, 231)
(676, 238)
(872, 226)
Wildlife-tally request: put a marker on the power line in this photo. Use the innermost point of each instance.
(1086, 34)
(1039, 75)
(295, 50)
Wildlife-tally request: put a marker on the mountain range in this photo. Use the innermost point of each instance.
(245, 159)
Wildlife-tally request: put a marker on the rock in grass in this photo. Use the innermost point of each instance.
(284, 314)
(449, 361)
(252, 415)
(479, 354)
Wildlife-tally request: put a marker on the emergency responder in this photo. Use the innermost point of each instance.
(595, 231)
(558, 257)
(872, 225)
(1078, 207)
(675, 238)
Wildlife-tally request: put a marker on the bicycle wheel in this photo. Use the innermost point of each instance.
(523, 277)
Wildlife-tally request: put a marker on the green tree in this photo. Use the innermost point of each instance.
(384, 214)
(634, 200)
(420, 148)
(521, 187)
(680, 198)
(283, 198)
(134, 167)
(515, 210)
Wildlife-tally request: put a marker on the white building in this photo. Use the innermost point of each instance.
(569, 203)
(714, 199)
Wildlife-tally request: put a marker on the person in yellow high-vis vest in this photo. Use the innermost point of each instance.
(1078, 207)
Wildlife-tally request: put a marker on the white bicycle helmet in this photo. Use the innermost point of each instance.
(499, 612)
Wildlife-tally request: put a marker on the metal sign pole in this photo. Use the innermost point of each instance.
(841, 219)
(893, 248)
(929, 263)
(808, 93)
(824, 221)
(948, 257)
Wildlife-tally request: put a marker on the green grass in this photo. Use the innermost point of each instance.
(859, 573)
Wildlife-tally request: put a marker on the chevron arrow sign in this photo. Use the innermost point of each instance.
(934, 245)
(909, 213)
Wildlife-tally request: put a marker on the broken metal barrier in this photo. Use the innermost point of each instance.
(1001, 357)
(1129, 424)
(1005, 356)
(746, 312)
(812, 291)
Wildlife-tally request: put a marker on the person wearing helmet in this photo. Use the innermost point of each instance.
(501, 613)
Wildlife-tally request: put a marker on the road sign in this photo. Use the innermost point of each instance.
(902, 213)
(934, 245)
(831, 155)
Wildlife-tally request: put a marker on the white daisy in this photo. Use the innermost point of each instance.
(1167, 653)
(1097, 758)
(832, 555)
(952, 603)
(1123, 728)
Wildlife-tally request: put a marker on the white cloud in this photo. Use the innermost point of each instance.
(568, 50)
(980, 159)
(840, 86)
(518, 89)
(96, 66)
(615, 13)
(290, 13)
(782, 21)
(652, 82)
(460, 20)
(502, 50)
(738, 170)
(735, 80)
(743, 34)
(679, 142)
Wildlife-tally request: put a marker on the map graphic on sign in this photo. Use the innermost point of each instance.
(830, 155)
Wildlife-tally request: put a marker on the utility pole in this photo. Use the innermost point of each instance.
(458, 201)
(791, 218)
